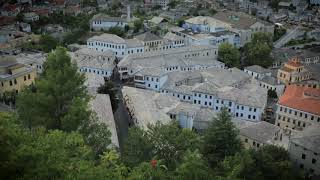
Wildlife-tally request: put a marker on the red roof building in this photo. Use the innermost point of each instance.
(298, 107)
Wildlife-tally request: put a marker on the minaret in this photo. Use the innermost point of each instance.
(128, 13)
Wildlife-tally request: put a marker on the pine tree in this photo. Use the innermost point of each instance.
(58, 96)
(221, 139)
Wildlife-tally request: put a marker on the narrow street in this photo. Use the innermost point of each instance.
(121, 116)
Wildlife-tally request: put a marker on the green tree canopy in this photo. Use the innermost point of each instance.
(59, 94)
(257, 52)
(138, 24)
(136, 149)
(229, 54)
(193, 166)
(220, 139)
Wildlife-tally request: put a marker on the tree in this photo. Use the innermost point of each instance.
(181, 22)
(272, 94)
(274, 4)
(278, 33)
(11, 136)
(193, 166)
(96, 134)
(257, 52)
(108, 88)
(138, 24)
(237, 167)
(220, 139)
(117, 31)
(153, 170)
(48, 43)
(136, 149)
(169, 142)
(59, 91)
(229, 54)
(212, 11)
(51, 154)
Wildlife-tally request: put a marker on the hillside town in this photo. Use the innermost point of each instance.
(160, 89)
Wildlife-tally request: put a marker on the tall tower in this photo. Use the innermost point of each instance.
(128, 13)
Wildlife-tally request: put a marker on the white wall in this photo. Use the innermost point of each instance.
(101, 72)
(105, 25)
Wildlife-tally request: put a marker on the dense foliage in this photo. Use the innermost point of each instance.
(229, 54)
(53, 135)
(258, 51)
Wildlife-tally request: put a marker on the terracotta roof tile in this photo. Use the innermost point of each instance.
(302, 98)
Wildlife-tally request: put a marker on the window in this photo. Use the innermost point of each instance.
(242, 107)
(258, 144)
(312, 117)
(290, 111)
(230, 104)
(194, 101)
(148, 85)
(303, 156)
(314, 161)
(156, 86)
(199, 95)
(305, 115)
(249, 116)
(25, 78)
(254, 110)
(246, 140)
(15, 81)
(222, 102)
(237, 114)
(205, 96)
(250, 109)
(237, 107)
(198, 102)
(218, 101)
(254, 143)
(253, 117)
(301, 166)
(10, 83)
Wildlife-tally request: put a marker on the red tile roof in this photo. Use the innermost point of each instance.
(306, 99)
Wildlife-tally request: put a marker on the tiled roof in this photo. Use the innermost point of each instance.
(148, 36)
(257, 69)
(302, 98)
(6, 61)
(309, 138)
(262, 131)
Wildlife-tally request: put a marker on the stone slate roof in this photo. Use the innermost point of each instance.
(6, 61)
(257, 69)
(101, 104)
(237, 20)
(270, 80)
(262, 131)
(148, 36)
(309, 138)
(104, 17)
